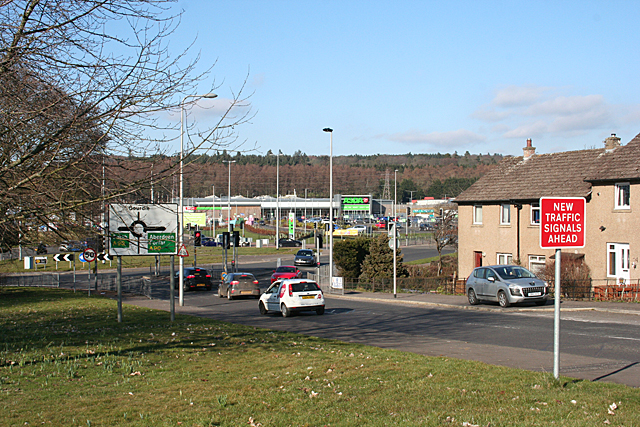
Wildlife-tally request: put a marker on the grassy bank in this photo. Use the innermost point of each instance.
(66, 361)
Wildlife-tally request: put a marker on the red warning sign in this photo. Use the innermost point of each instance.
(562, 222)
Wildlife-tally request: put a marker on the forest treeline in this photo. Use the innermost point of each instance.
(418, 175)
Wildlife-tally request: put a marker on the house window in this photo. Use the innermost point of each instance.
(505, 214)
(505, 259)
(477, 214)
(536, 263)
(535, 213)
(622, 195)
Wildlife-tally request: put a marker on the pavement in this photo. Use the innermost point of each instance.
(461, 302)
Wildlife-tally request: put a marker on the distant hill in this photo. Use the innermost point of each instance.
(419, 175)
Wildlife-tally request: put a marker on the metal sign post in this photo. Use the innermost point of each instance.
(562, 225)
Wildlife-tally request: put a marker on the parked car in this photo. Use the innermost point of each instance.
(239, 285)
(289, 243)
(380, 225)
(286, 272)
(361, 228)
(506, 284)
(194, 278)
(304, 257)
(292, 295)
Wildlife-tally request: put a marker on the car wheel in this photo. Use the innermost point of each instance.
(285, 310)
(220, 294)
(320, 311)
(471, 295)
(263, 309)
(503, 299)
(229, 297)
(541, 302)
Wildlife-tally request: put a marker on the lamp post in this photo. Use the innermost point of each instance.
(181, 205)
(278, 200)
(393, 228)
(330, 204)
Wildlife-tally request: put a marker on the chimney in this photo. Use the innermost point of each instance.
(612, 142)
(529, 151)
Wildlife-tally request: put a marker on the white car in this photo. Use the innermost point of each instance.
(361, 228)
(292, 295)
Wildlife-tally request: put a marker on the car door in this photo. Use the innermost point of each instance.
(491, 284)
(273, 299)
(477, 281)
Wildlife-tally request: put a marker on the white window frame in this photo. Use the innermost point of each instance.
(504, 259)
(505, 209)
(535, 207)
(622, 202)
(536, 260)
(477, 212)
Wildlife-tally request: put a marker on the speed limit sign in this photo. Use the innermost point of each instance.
(89, 255)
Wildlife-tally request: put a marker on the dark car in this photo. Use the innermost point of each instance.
(194, 278)
(239, 285)
(209, 241)
(304, 257)
(289, 243)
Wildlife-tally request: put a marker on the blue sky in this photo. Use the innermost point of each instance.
(422, 76)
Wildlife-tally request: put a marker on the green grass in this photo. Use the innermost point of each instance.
(431, 259)
(66, 361)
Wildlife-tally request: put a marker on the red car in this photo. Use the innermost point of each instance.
(380, 225)
(286, 272)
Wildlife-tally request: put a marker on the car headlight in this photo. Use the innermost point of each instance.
(515, 290)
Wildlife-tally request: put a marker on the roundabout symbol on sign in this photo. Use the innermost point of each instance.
(89, 255)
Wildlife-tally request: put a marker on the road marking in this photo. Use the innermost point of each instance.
(606, 336)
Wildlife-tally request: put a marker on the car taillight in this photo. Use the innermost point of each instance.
(208, 276)
(191, 276)
(291, 290)
(235, 282)
(255, 282)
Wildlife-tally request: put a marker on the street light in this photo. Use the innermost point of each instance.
(278, 200)
(181, 228)
(330, 204)
(395, 241)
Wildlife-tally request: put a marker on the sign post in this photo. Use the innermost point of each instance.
(562, 225)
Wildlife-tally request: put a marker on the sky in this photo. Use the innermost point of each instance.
(421, 76)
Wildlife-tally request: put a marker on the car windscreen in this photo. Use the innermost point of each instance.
(286, 270)
(244, 278)
(305, 287)
(305, 253)
(514, 272)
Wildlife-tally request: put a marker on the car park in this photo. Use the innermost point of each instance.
(290, 296)
(194, 278)
(286, 272)
(236, 285)
(506, 284)
(304, 257)
(289, 243)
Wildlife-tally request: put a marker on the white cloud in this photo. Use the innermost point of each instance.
(517, 96)
(564, 105)
(436, 139)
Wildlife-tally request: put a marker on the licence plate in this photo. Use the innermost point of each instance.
(308, 297)
(535, 294)
(245, 292)
(201, 284)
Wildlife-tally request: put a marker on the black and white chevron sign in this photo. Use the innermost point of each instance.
(64, 257)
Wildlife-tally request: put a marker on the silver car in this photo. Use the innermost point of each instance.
(305, 257)
(506, 284)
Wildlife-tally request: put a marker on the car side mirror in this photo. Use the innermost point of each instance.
(491, 279)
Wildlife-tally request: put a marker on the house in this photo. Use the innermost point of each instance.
(499, 215)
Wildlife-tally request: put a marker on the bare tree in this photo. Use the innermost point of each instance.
(445, 232)
(82, 84)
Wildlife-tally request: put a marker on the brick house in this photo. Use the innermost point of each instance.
(499, 215)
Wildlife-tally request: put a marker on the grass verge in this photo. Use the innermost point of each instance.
(66, 361)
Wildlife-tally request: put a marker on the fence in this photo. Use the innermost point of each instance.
(105, 282)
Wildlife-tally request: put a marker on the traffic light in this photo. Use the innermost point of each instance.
(226, 243)
(319, 241)
(197, 238)
(236, 238)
